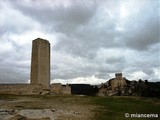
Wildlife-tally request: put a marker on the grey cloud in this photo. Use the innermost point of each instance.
(145, 37)
(60, 17)
(104, 76)
(14, 64)
(145, 61)
(13, 21)
(86, 41)
(12, 73)
(80, 23)
(148, 71)
(115, 59)
(81, 30)
(144, 28)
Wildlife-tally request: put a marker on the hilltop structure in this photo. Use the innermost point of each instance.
(113, 86)
(118, 82)
(120, 86)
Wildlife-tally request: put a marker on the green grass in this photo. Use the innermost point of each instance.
(114, 108)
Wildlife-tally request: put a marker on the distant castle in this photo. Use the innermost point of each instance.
(120, 86)
(113, 86)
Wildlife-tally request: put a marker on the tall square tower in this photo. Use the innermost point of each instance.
(40, 63)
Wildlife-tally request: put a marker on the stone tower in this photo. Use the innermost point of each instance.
(40, 63)
(118, 76)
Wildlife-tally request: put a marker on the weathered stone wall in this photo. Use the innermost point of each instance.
(102, 91)
(118, 81)
(66, 89)
(20, 89)
(117, 84)
(58, 88)
(27, 89)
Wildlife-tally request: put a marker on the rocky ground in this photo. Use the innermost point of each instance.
(46, 108)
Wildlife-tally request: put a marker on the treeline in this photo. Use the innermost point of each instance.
(148, 89)
(138, 88)
(84, 89)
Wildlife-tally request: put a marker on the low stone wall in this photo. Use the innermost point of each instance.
(58, 88)
(66, 89)
(20, 89)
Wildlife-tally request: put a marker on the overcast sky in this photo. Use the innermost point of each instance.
(90, 40)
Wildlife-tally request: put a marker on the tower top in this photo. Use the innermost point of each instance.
(40, 40)
(118, 74)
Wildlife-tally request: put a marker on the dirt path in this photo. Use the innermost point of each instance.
(46, 108)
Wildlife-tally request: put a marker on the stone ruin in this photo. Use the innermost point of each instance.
(120, 86)
(113, 86)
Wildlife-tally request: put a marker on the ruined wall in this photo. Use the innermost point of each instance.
(20, 89)
(102, 91)
(118, 82)
(66, 89)
(58, 88)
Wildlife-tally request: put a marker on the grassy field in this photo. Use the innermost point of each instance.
(104, 108)
(114, 108)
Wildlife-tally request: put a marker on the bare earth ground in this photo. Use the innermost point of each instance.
(46, 107)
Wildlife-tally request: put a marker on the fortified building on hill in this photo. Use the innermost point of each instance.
(113, 86)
